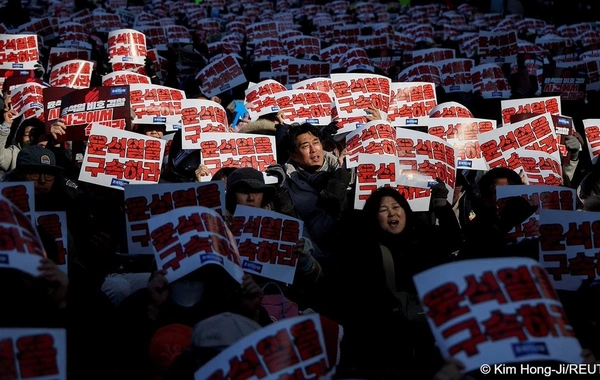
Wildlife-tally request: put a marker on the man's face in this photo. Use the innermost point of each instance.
(42, 182)
(26, 134)
(309, 151)
(248, 197)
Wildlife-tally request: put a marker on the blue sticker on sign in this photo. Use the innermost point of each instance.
(496, 94)
(224, 87)
(118, 182)
(464, 164)
(358, 125)
(125, 59)
(4, 259)
(499, 59)
(255, 267)
(176, 126)
(274, 108)
(454, 88)
(17, 65)
(412, 121)
(159, 119)
(312, 121)
(211, 257)
(118, 90)
(529, 348)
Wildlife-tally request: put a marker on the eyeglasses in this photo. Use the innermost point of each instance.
(36, 176)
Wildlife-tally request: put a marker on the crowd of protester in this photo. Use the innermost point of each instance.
(355, 267)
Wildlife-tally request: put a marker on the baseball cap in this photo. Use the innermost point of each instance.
(37, 158)
(246, 179)
(222, 330)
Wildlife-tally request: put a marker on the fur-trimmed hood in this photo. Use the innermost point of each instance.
(259, 127)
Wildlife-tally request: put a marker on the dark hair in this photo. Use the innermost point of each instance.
(371, 207)
(487, 182)
(33, 122)
(296, 130)
(330, 145)
(222, 173)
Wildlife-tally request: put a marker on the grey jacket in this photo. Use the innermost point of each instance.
(8, 156)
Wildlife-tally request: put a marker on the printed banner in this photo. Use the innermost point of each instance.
(143, 202)
(260, 30)
(592, 137)
(237, 151)
(545, 197)
(220, 76)
(411, 103)
(76, 74)
(52, 101)
(376, 137)
(59, 55)
(301, 69)
(315, 84)
(266, 242)
(569, 247)
(21, 248)
(20, 194)
(28, 100)
(540, 168)
(354, 93)
(450, 109)
(489, 80)
(124, 78)
(530, 105)
(303, 353)
(372, 172)
(33, 353)
(199, 117)
(18, 51)
(109, 106)
(155, 36)
(260, 99)
(153, 104)
(304, 106)
(462, 134)
(500, 145)
(177, 34)
(498, 47)
(423, 158)
(126, 45)
(496, 311)
(456, 74)
(116, 158)
(55, 224)
(188, 238)
(432, 55)
(421, 72)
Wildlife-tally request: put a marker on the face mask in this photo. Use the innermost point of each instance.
(186, 293)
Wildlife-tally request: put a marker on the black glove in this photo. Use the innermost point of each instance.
(277, 171)
(439, 194)
(516, 210)
(333, 198)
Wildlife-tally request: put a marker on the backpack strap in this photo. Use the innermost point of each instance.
(280, 292)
